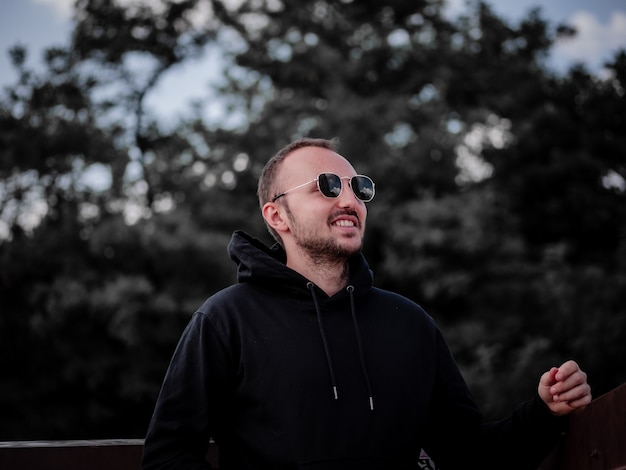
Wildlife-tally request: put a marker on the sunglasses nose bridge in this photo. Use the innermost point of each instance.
(347, 191)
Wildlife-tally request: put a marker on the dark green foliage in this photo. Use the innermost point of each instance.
(523, 264)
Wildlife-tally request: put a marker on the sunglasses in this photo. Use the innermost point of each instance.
(331, 185)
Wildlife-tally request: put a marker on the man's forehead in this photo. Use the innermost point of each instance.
(316, 160)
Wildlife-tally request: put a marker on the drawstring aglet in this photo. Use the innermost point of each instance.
(371, 404)
(335, 392)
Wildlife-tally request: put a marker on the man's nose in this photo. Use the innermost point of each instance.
(347, 198)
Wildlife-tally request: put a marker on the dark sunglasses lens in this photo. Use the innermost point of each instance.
(363, 187)
(329, 184)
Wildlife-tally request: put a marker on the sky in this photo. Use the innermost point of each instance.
(38, 24)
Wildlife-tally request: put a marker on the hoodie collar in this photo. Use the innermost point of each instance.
(260, 264)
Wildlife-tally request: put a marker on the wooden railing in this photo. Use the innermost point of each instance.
(597, 437)
(71, 455)
(596, 441)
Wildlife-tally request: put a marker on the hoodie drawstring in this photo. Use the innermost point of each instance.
(331, 371)
(350, 290)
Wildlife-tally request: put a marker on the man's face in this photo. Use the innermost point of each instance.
(326, 229)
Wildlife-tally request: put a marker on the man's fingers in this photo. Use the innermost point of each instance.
(567, 369)
(582, 392)
(568, 382)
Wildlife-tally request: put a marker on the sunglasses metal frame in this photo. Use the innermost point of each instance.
(341, 178)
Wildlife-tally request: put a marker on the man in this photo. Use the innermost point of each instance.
(304, 364)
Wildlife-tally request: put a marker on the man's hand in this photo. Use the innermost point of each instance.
(565, 389)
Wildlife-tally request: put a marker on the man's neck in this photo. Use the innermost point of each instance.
(331, 277)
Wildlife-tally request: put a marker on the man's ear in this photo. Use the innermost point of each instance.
(274, 216)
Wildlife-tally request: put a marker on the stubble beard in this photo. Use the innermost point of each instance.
(321, 251)
(324, 251)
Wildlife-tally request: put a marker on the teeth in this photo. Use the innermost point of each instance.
(344, 223)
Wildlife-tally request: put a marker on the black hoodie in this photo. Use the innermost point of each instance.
(282, 376)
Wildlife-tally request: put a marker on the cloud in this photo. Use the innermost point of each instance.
(453, 8)
(62, 8)
(595, 42)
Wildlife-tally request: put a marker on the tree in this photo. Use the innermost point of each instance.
(102, 265)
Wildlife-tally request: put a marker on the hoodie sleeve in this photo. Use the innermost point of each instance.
(187, 407)
(457, 437)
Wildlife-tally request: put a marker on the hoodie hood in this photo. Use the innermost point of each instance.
(259, 264)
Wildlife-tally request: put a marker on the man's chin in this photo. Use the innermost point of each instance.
(350, 248)
(332, 250)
